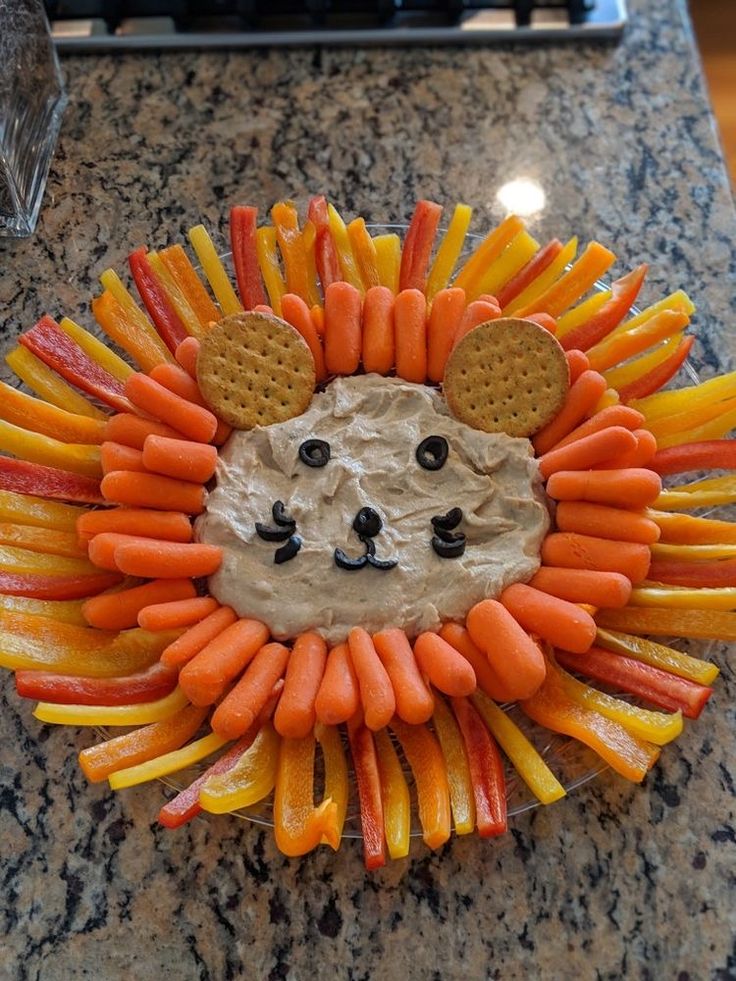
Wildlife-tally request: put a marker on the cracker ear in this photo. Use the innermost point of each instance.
(507, 376)
(254, 369)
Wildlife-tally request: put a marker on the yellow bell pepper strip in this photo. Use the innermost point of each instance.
(394, 796)
(14, 559)
(337, 784)
(189, 284)
(692, 398)
(293, 253)
(98, 762)
(214, 270)
(679, 300)
(685, 528)
(112, 715)
(268, 262)
(682, 598)
(624, 292)
(659, 656)
(529, 273)
(511, 261)
(427, 763)
(341, 240)
(474, 269)
(146, 686)
(251, 779)
(583, 312)
(388, 260)
(544, 281)
(99, 352)
(670, 430)
(41, 417)
(683, 553)
(706, 624)
(581, 277)
(613, 350)
(175, 296)
(298, 825)
(609, 397)
(486, 768)
(526, 760)
(367, 778)
(449, 251)
(46, 540)
(462, 800)
(162, 766)
(364, 252)
(700, 494)
(26, 509)
(37, 448)
(65, 611)
(48, 385)
(553, 708)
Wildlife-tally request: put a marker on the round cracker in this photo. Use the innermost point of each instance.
(507, 376)
(254, 369)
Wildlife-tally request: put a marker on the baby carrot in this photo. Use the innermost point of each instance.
(487, 679)
(477, 312)
(445, 667)
(414, 701)
(148, 490)
(418, 242)
(338, 698)
(516, 659)
(178, 381)
(379, 347)
(118, 456)
(342, 338)
(376, 690)
(172, 526)
(601, 589)
(410, 325)
(573, 551)
(173, 614)
(131, 430)
(588, 451)
(296, 312)
(102, 547)
(179, 458)
(239, 709)
(192, 420)
(116, 611)
(153, 559)
(444, 320)
(295, 715)
(207, 675)
(613, 415)
(640, 455)
(581, 399)
(555, 620)
(545, 320)
(187, 353)
(605, 522)
(195, 639)
(577, 362)
(630, 488)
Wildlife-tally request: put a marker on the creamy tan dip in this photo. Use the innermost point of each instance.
(373, 426)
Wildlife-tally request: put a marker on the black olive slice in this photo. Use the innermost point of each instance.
(314, 452)
(269, 534)
(450, 520)
(432, 452)
(287, 551)
(381, 563)
(279, 515)
(448, 550)
(449, 536)
(351, 565)
(367, 523)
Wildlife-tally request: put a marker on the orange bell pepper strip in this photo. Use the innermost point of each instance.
(617, 348)
(679, 300)
(659, 656)
(293, 252)
(175, 295)
(659, 622)
(471, 274)
(251, 778)
(22, 560)
(48, 385)
(65, 611)
(423, 753)
(462, 799)
(631, 371)
(26, 509)
(658, 376)
(538, 263)
(135, 321)
(41, 417)
(368, 780)
(47, 540)
(337, 783)
(486, 768)
(449, 251)
(394, 796)
(146, 351)
(584, 273)
(299, 826)
(624, 292)
(685, 529)
(191, 287)
(364, 252)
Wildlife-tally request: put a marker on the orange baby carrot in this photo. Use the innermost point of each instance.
(172, 526)
(602, 589)
(102, 547)
(153, 559)
(577, 362)
(445, 667)
(581, 399)
(263, 308)
(376, 691)
(477, 312)
(543, 320)
(630, 488)
(317, 313)
(338, 698)
(148, 490)
(555, 620)
(410, 327)
(605, 522)
(640, 455)
(131, 430)
(173, 614)
(296, 312)
(178, 381)
(205, 677)
(116, 611)
(573, 551)
(187, 353)
(195, 639)
(179, 458)
(444, 320)
(295, 715)
(192, 420)
(240, 708)
(586, 452)
(613, 415)
(118, 456)
(342, 337)
(515, 658)
(486, 678)
(379, 348)
(414, 701)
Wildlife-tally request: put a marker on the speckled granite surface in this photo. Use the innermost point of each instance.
(617, 881)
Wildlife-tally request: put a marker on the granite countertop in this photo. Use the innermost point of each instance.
(617, 880)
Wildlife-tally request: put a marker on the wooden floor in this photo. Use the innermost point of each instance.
(715, 27)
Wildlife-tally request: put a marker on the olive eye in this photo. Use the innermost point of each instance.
(314, 452)
(432, 453)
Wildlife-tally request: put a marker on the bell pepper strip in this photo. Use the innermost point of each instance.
(133, 338)
(418, 242)
(716, 454)
(27, 509)
(534, 268)
(460, 783)
(299, 826)
(243, 225)
(48, 385)
(609, 397)
(662, 406)
(707, 624)
(45, 540)
(268, 262)
(51, 345)
(672, 430)
(617, 348)
(14, 559)
(144, 686)
(214, 270)
(498, 239)
(364, 252)
(658, 377)
(325, 253)
(713, 429)
(252, 777)
(553, 708)
(682, 598)
(423, 753)
(679, 300)
(175, 296)
(526, 760)
(112, 715)
(582, 313)
(486, 768)
(132, 312)
(156, 300)
(36, 448)
(162, 766)
(343, 248)
(368, 781)
(624, 292)
(98, 762)
(633, 370)
(65, 611)
(516, 255)
(394, 796)
(700, 494)
(45, 587)
(337, 783)
(388, 260)
(41, 417)
(685, 529)
(695, 574)
(659, 656)
(581, 277)
(191, 287)
(293, 252)
(96, 349)
(449, 251)
(543, 280)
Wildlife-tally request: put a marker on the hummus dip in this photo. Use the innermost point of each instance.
(373, 426)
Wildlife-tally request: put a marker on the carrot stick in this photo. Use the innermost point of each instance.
(118, 456)
(516, 659)
(444, 320)
(296, 312)
(414, 701)
(601, 589)
(573, 551)
(131, 430)
(614, 415)
(172, 526)
(379, 347)
(581, 399)
(445, 667)
(116, 611)
(338, 698)
(633, 488)
(295, 714)
(640, 455)
(206, 676)
(487, 679)
(410, 325)
(179, 458)
(153, 559)
(195, 639)
(477, 312)
(192, 420)
(555, 620)
(173, 614)
(588, 451)
(376, 690)
(342, 338)
(577, 362)
(535, 267)
(187, 353)
(605, 522)
(239, 709)
(713, 454)
(144, 490)
(418, 242)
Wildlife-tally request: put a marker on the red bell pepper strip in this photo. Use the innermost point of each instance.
(38, 480)
(145, 686)
(659, 376)
(44, 587)
(535, 267)
(623, 295)
(367, 777)
(710, 454)
(700, 575)
(417, 249)
(60, 353)
(243, 224)
(666, 690)
(328, 262)
(486, 770)
(168, 323)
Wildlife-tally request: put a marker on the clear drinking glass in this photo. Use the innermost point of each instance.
(32, 101)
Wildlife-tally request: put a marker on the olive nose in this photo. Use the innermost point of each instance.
(367, 523)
